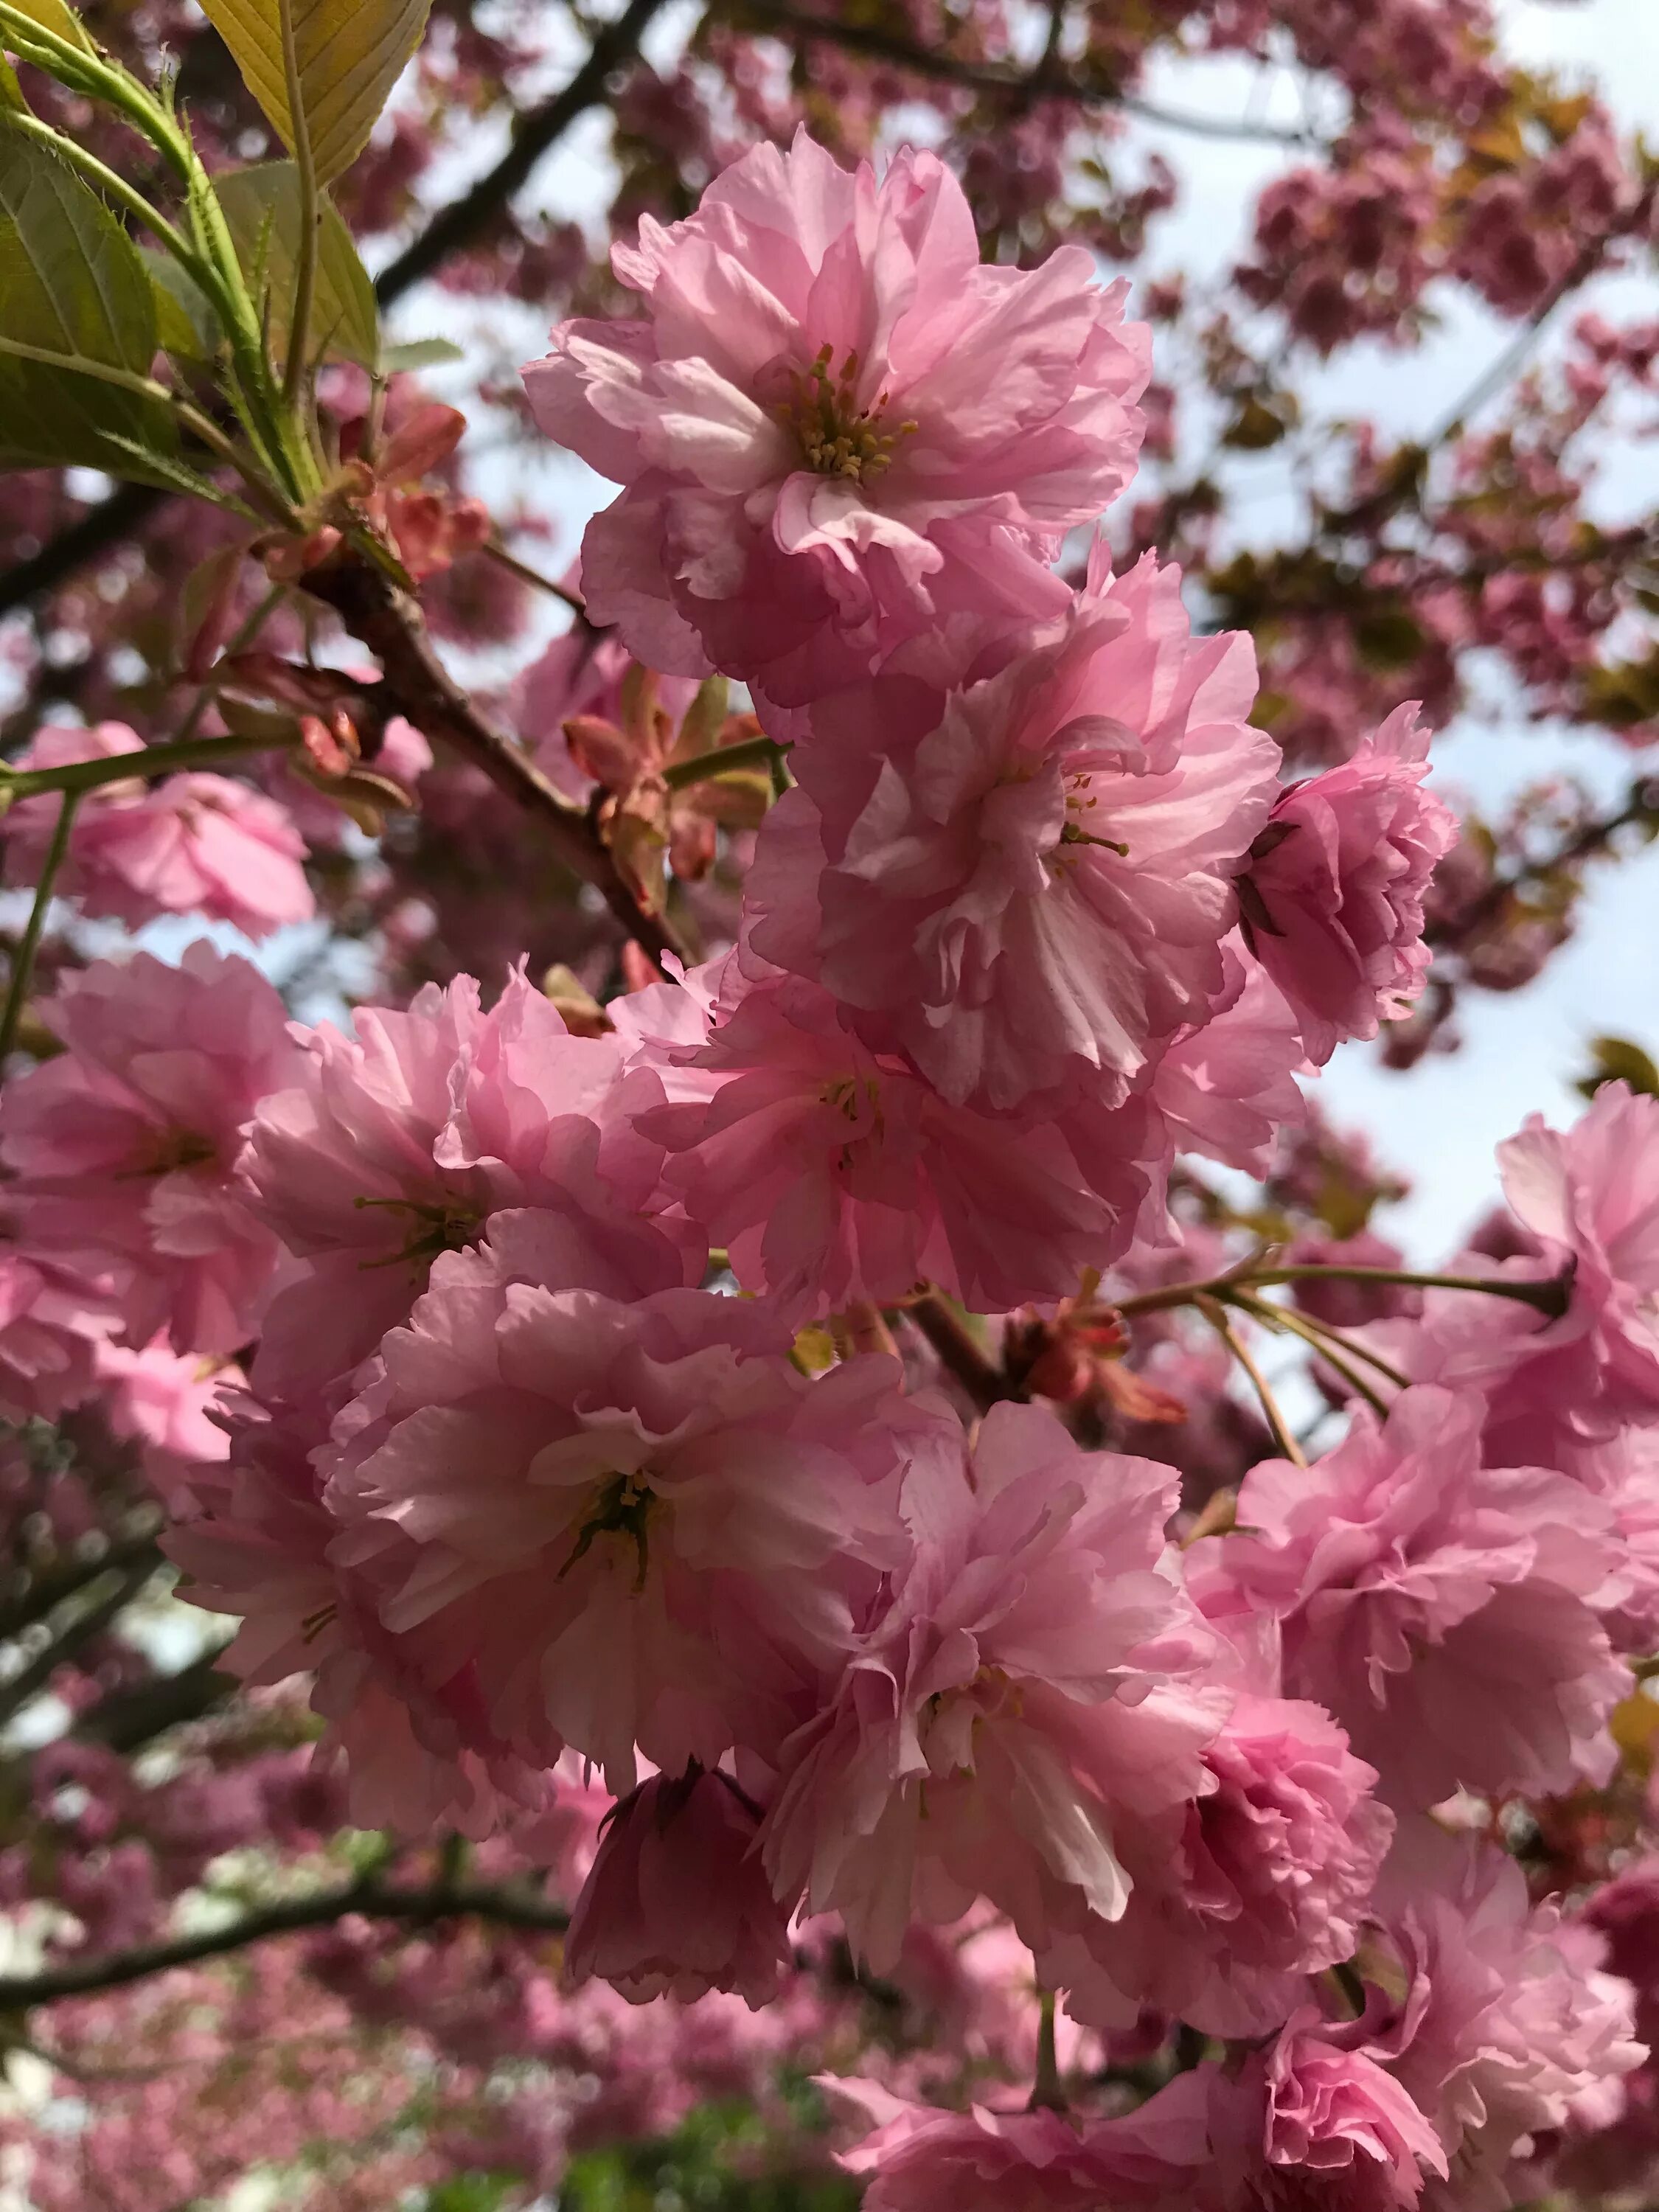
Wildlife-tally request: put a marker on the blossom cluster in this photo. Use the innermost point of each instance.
(561, 1418)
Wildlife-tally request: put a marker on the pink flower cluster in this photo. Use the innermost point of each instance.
(521, 1482)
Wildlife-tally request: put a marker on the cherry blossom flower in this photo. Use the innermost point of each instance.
(399, 1142)
(920, 2158)
(190, 843)
(836, 429)
(642, 1523)
(1312, 2120)
(1333, 898)
(677, 1900)
(123, 1146)
(1443, 1610)
(1029, 1684)
(1495, 2013)
(53, 1324)
(1034, 901)
(831, 1173)
(1591, 1197)
(1244, 1892)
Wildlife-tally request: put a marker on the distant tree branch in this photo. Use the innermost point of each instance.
(81, 1978)
(1049, 80)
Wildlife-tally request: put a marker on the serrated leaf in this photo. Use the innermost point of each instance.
(262, 207)
(185, 324)
(53, 15)
(419, 352)
(348, 56)
(72, 286)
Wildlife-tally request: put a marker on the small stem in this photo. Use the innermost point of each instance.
(75, 777)
(752, 752)
(17, 991)
(1047, 2095)
(495, 551)
(1549, 1297)
(239, 642)
(1215, 1314)
(1327, 1343)
(113, 186)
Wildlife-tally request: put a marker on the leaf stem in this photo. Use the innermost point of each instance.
(17, 990)
(75, 778)
(1048, 2092)
(1549, 1297)
(1215, 1313)
(1329, 1344)
(723, 760)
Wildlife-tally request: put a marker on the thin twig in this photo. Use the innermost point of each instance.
(1216, 1314)
(17, 990)
(79, 1978)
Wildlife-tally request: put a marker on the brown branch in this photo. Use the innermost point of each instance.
(389, 624)
(79, 1978)
(960, 1353)
(128, 1718)
(1047, 80)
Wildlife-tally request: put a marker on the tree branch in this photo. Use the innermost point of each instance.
(466, 219)
(1047, 80)
(79, 1978)
(420, 688)
(959, 1351)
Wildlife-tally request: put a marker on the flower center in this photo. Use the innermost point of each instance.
(837, 436)
(1075, 830)
(621, 1507)
(432, 1228)
(854, 1098)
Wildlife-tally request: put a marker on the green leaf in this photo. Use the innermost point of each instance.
(72, 286)
(262, 207)
(53, 15)
(185, 323)
(11, 93)
(1616, 1060)
(348, 54)
(419, 352)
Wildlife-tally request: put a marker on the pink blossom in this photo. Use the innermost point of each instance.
(1444, 1611)
(1240, 1894)
(413, 1741)
(123, 1145)
(166, 1404)
(190, 843)
(640, 1521)
(53, 1326)
(836, 430)
(918, 2159)
(1333, 899)
(1493, 2012)
(1027, 1686)
(1034, 899)
(1312, 2120)
(831, 1173)
(1591, 1196)
(1227, 1086)
(397, 1142)
(677, 1900)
